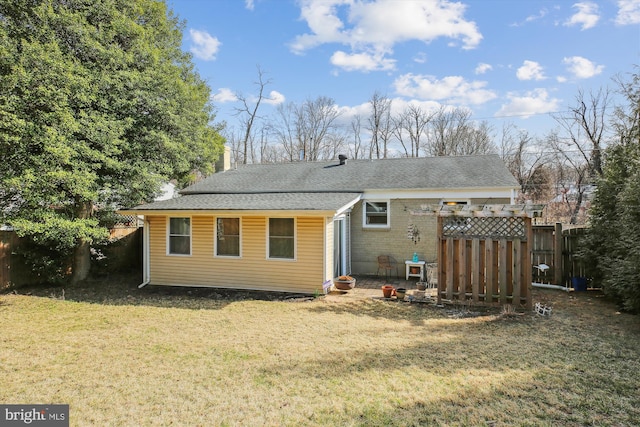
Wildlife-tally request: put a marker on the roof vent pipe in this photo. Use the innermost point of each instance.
(343, 159)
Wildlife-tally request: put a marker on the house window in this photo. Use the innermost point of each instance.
(179, 236)
(228, 237)
(282, 238)
(376, 214)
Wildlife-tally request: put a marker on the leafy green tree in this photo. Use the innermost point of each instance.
(98, 107)
(612, 247)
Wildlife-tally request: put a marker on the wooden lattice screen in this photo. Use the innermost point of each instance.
(485, 260)
(484, 253)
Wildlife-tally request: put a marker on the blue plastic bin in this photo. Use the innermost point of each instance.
(579, 284)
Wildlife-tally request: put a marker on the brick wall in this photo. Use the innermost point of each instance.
(367, 243)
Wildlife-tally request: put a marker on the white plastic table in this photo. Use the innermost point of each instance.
(420, 264)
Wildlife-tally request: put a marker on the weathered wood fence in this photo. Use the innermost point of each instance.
(554, 254)
(123, 251)
(7, 241)
(485, 260)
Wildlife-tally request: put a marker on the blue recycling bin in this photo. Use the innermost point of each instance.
(579, 284)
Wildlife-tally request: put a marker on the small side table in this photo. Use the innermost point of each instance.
(420, 264)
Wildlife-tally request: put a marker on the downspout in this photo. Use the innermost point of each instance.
(347, 242)
(547, 286)
(146, 269)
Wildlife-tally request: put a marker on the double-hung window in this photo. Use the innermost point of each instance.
(282, 238)
(179, 236)
(228, 237)
(376, 214)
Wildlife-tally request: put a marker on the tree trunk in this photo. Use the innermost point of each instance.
(81, 263)
(576, 209)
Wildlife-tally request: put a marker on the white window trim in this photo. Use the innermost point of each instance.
(168, 244)
(215, 237)
(364, 213)
(295, 240)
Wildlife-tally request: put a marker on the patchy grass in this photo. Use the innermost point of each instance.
(123, 356)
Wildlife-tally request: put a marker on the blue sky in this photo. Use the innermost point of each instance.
(507, 61)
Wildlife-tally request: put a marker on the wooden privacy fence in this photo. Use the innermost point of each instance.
(7, 241)
(554, 254)
(123, 251)
(484, 253)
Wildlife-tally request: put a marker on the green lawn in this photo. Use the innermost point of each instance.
(189, 358)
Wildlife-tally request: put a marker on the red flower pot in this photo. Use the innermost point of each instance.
(387, 290)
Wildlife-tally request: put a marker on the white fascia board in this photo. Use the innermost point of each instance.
(348, 206)
(449, 193)
(212, 212)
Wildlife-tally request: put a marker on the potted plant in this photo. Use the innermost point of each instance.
(387, 291)
(344, 283)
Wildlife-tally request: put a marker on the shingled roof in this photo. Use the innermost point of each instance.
(259, 202)
(295, 186)
(360, 175)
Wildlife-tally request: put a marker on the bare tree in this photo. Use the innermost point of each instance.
(357, 140)
(573, 175)
(234, 141)
(414, 121)
(626, 121)
(248, 113)
(308, 131)
(398, 126)
(525, 158)
(317, 123)
(379, 124)
(285, 129)
(585, 127)
(453, 133)
(578, 149)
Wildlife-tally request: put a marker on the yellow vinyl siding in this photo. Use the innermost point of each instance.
(252, 270)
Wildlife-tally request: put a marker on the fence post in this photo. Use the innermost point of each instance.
(557, 255)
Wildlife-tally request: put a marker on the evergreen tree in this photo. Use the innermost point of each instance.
(612, 248)
(98, 107)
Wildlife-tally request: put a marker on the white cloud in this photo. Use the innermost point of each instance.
(376, 26)
(452, 88)
(205, 46)
(483, 68)
(225, 95)
(530, 70)
(248, 4)
(362, 61)
(274, 98)
(420, 58)
(582, 68)
(587, 15)
(347, 113)
(534, 102)
(531, 18)
(628, 12)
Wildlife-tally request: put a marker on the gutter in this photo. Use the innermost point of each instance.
(546, 286)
